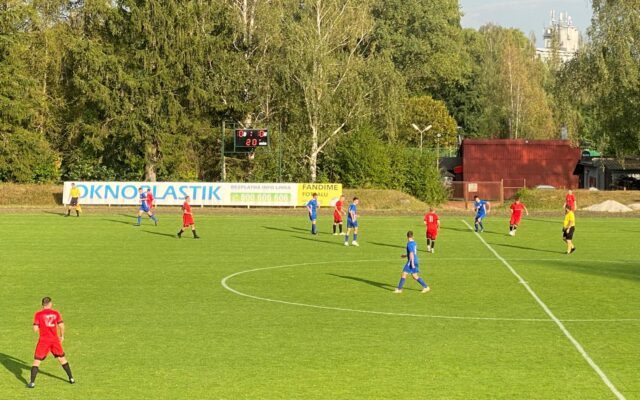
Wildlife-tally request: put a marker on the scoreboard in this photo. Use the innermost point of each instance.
(250, 139)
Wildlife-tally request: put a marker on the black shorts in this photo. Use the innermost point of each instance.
(568, 235)
(74, 201)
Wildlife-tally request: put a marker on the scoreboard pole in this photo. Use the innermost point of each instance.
(223, 169)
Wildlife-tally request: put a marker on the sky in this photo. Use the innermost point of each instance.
(526, 15)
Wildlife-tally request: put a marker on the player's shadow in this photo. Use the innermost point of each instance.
(117, 221)
(450, 228)
(526, 248)
(379, 285)
(20, 368)
(160, 234)
(280, 229)
(62, 214)
(315, 239)
(387, 245)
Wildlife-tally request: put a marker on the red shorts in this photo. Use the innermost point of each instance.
(44, 348)
(515, 220)
(432, 234)
(337, 217)
(187, 220)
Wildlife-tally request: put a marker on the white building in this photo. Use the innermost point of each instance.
(566, 34)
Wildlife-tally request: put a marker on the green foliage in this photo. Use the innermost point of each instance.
(424, 111)
(423, 179)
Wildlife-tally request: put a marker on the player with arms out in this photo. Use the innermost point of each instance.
(352, 223)
(144, 208)
(481, 208)
(312, 209)
(570, 201)
(187, 219)
(74, 195)
(432, 222)
(568, 228)
(337, 215)
(412, 266)
(516, 215)
(150, 199)
(47, 322)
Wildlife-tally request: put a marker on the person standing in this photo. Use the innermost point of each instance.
(352, 223)
(432, 221)
(568, 228)
(187, 219)
(74, 196)
(312, 208)
(412, 266)
(150, 199)
(570, 201)
(337, 215)
(46, 323)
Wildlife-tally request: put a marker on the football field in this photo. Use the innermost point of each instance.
(260, 309)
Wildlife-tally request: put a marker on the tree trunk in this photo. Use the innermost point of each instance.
(313, 156)
(150, 164)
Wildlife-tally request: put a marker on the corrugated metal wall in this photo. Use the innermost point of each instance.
(539, 162)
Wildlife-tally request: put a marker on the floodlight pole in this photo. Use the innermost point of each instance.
(438, 151)
(422, 131)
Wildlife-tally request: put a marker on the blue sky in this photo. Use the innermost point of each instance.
(526, 15)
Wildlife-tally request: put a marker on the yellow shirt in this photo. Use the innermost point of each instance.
(75, 192)
(569, 219)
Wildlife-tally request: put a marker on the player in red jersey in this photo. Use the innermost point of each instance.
(47, 322)
(570, 201)
(187, 219)
(150, 199)
(337, 215)
(516, 215)
(432, 221)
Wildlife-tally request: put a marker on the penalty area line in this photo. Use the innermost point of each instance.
(548, 311)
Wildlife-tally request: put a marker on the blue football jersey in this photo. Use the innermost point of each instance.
(412, 247)
(352, 209)
(143, 198)
(313, 204)
(480, 206)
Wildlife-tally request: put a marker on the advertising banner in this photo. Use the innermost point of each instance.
(328, 193)
(173, 193)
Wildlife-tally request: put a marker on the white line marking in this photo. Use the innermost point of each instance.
(225, 284)
(546, 309)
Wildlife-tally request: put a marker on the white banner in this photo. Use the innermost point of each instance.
(173, 193)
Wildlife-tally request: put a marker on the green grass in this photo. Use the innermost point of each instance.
(147, 316)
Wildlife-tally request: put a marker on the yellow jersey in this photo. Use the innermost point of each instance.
(75, 192)
(569, 219)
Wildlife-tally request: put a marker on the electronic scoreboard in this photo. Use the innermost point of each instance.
(250, 139)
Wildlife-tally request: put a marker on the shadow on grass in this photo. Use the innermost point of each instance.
(315, 239)
(449, 228)
(280, 229)
(160, 234)
(628, 270)
(118, 221)
(379, 285)
(395, 246)
(526, 248)
(19, 368)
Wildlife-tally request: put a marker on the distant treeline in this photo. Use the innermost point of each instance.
(123, 89)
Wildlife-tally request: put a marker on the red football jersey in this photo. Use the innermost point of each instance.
(571, 200)
(338, 206)
(517, 209)
(47, 320)
(186, 208)
(149, 199)
(432, 220)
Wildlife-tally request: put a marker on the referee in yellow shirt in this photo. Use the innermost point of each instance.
(74, 194)
(568, 228)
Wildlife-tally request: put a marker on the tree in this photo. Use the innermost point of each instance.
(424, 111)
(326, 56)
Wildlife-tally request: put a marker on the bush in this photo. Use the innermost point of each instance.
(26, 157)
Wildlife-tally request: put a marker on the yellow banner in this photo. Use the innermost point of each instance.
(328, 193)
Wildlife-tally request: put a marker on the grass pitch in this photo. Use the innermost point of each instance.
(147, 315)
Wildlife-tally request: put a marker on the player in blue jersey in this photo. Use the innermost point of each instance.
(481, 208)
(412, 266)
(144, 208)
(352, 223)
(312, 207)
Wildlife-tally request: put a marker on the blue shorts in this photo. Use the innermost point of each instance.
(408, 270)
(480, 216)
(352, 224)
(312, 217)
(144, 207)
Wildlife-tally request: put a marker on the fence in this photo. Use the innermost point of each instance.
(493, 191)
